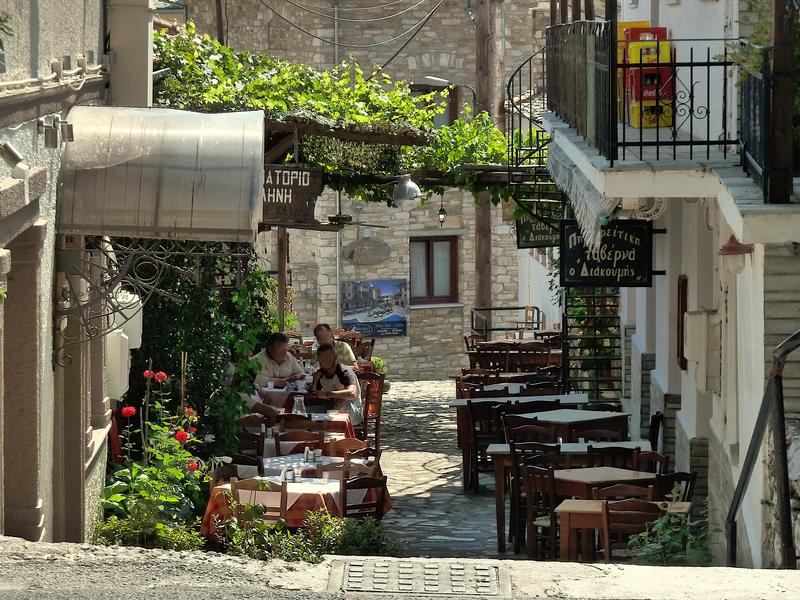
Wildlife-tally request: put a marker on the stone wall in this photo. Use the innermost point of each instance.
(641, 368)
(669, 405)
(692, 455)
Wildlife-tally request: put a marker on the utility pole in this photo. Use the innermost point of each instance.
(220, 24)
(489, 92)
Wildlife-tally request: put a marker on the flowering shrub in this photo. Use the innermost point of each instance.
(161, 495)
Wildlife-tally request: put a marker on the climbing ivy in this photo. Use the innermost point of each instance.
(206, 76)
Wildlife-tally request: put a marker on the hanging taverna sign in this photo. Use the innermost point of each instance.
(290, 195)
(624, 257)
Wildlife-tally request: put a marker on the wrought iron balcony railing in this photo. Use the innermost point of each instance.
(653, 100)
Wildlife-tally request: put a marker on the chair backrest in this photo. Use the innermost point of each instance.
(287, 417)
(481, 418)
(299, 423)
(345, 446)
(345, 470)
(653, 462)
(533, 406)
(365, 350)
(622, 458)
(622, 491)
(471, 340)
(486, 376)
(624, 518)
(273, 497)
(465, 386)
(681, 483)
(601, 435)
(604, 406)
(373, 455)
(655, 428)
(493, 358)
(370, 504)
(295, 335)
(528, 432)
(540, 489)
(541, 388)
(255, 422)
(244, 465)
(251, 443)
(353, 338)
(313, 439)
(372, 396)
(523, 453)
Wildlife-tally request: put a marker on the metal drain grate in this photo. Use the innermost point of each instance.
(429, 578)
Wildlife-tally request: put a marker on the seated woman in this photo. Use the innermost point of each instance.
(278, 366)
(344, 353)
(339, 383)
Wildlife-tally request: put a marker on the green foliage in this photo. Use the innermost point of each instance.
(206, 76)
(248, 535)
(381, 368)
(673, 539)
(143, 532)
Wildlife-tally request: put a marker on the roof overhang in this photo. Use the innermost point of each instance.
(162, 173)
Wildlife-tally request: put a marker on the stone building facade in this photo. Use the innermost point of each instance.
(445, 48)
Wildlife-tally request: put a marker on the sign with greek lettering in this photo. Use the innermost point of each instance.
(623, 259)
(290, 194)
(366, 251)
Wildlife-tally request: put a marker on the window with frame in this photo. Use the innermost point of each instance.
(449, 103)
(434, 270)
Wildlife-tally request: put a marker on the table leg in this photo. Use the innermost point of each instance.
(565, 549)
(587, 544)
(500, 502)
(461, 425)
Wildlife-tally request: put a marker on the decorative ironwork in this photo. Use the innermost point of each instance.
(108, 281)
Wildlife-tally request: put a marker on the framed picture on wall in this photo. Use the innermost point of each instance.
(375, 307)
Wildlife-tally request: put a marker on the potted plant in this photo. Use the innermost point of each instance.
(381, 368)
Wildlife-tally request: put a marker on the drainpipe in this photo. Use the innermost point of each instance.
(338, 192)
(130, 25)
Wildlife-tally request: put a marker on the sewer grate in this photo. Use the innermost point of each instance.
(428, 578)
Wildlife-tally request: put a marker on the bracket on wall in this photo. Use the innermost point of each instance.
(102, 282)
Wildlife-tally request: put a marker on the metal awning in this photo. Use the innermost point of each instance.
(161, 173)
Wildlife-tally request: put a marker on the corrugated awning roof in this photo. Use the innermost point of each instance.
(161, 173)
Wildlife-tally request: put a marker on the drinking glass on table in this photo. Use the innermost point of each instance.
(299, 406)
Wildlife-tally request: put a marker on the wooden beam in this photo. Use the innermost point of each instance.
(283, 258)
(563, 9)
(553, 12)
(372, 137)
(278, 149)
(588, 9)
(576, 10)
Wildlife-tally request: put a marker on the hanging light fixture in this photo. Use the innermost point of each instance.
(733, 254)
(442, 213)
(405, 190)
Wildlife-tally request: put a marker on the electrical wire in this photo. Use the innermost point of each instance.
(327, 41)
(367, 20)
(411, 39)
(358, 8)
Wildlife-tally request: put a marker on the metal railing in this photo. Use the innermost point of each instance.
(771, 406)
(490, 319)
(672, 95)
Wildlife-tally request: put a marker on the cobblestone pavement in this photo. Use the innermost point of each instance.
(431, 514)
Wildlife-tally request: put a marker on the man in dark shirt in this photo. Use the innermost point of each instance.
(338, 382)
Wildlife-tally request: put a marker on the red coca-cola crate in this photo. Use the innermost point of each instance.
(642, 34)
(649, 83)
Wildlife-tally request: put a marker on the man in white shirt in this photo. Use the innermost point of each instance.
(278, 366)
(339, 383)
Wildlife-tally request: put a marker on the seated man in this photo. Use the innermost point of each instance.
(344, 353)
(278, 366)
(339, 383)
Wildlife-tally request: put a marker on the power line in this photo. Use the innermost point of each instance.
(367, 20)
(327, 41)
(409, 40)
(352, 8)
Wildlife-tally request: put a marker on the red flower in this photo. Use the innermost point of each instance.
(160, 377)
(192, 466)
(128, 411)
(148, 374)
(188, 411)
(181, 436)
(192, 429)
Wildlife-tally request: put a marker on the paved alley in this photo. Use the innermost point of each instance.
(431, 514)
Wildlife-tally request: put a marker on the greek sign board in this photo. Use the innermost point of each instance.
(366, 251)
(623, 259)
(290, 194)
(535, 234)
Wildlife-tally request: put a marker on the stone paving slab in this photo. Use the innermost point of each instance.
(431, 515)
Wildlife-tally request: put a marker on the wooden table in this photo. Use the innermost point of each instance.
(588, 514)
(501, 458)
(462, 420)
(566, 419)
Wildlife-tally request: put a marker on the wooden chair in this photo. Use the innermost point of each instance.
(244, 466)
(681, 483)
(530, 406)
(368, 507)
(601, 435)
(471, 340)
(622, 519)
(531, 431)
(622, 491)
(297, 422)
(372, 395)
(494, 359)
(622, 458)
(313, 439)
(655, 428)
(353, 338)
(257, 492)
(482, 429)
(372, 454)
(541, 523)
(345, 470)
(295, 336)
(365, 350)
(604, 406)
(541, 388)
(487, 375)
(653, 462)
(251, 443)
(344, 446)
(255, 422)
(523, 453)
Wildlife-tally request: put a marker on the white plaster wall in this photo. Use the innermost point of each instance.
(534, 286)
